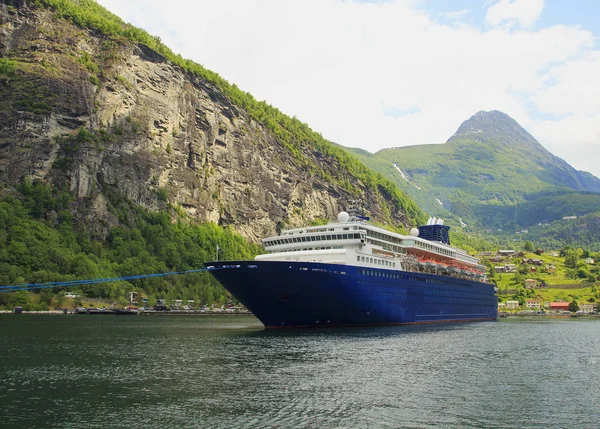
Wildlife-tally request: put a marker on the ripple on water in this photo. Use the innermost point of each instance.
(226, 372)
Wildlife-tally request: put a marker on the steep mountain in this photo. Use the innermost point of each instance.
(119, 158)
(500, 133)
(491, 173)
(96, 106)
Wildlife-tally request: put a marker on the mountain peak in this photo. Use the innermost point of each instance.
(494, 127)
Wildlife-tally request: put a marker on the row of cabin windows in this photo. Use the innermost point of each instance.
(433, 248)
(304, 239)
(384, 237)
(395, 240)
(390, 239)
(347, 228)
(310, 248)
(381, 274)
(386, 246)
(375, 261)
(399, 276)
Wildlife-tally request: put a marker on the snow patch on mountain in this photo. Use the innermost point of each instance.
(404, 177)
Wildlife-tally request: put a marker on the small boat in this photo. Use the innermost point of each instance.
(131, 311)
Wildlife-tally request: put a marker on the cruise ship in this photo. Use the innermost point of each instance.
(354, 273)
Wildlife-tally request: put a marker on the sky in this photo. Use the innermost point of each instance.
(387, 73)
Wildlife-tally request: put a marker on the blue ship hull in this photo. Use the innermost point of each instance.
(303, 294)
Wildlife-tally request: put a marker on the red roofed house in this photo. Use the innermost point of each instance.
(559, 306)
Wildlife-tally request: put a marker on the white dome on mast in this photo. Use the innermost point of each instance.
(343, 217)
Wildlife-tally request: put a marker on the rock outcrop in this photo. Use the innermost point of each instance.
(100, 115)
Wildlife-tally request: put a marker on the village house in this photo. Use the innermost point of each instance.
(589, 261)
(553, 253)
(559, 306)
(501, 305)
(533, 303)
(551, 268)
(530, 283)
(506, 252)
(587, 308)
(506, 268)
(512, 304)
(532, 261)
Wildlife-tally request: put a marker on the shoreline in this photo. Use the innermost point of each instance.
(507, 315)
(71, 312)
(227, 313)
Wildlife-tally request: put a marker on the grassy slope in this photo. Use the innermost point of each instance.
(556, 282)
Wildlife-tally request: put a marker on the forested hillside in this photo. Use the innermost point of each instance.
(582, 232)
(39, 243)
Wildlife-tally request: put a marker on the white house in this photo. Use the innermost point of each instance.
(587, 308)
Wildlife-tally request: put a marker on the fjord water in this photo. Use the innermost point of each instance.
(226, 372)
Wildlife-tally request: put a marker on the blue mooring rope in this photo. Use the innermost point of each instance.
(14, 288)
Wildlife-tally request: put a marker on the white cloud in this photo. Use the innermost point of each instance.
(457, 14)
(574, 138)
(526, 12)
(571, 87)
(376, 75)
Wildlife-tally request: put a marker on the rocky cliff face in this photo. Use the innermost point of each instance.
(103, 115)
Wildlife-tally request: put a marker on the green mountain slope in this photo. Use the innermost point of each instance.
(583, 232)
(491, 174)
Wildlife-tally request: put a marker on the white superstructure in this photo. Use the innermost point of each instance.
(354, 241)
